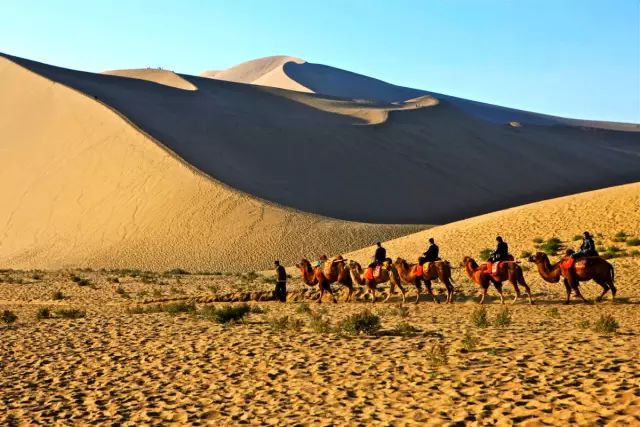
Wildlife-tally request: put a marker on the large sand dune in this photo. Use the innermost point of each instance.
(81, 186)
(297, 74)
(423, 165)
(164, 77)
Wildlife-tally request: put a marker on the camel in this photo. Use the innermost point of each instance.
(387, 274)
(316, 276)
(438, 270)
(507, 270)
(584, 269)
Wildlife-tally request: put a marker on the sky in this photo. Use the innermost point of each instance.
(578, 58)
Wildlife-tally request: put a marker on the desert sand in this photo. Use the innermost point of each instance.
(164, 77)
(547, 367)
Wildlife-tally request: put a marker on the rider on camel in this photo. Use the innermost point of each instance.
(587, 248)
(501, 253)
(431, 254)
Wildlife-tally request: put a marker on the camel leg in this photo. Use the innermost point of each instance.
(576, 289)
(319, 300)
(418, 286)
(449, 286)
(527, 289)
(484, 294)
(568, 289)
(605, 289)
(517, 289)
(402, 291)
(498, 286)
(430, 290)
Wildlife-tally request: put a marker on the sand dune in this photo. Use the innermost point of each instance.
(82, 187)
(298, 74)
(431, 165)
(602, 212)
(163, 77)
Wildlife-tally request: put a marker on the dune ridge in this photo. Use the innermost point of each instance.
(85, 188)
(163, 77)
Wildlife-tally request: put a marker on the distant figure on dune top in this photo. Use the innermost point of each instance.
(502, 251)
(281, 282)
(587, 248)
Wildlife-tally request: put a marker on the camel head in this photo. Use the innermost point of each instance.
(304, 265)
(399, 262)
(538, 257)
(468, 260)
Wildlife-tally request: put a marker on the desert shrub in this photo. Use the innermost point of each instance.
(319, 324)
(620, 236)
(138, 309)
(122, 292)
(258, 309)
(270, 279)
(81, 281)
(438, 354)
(43, 313)
(57, 296)
(613, 252)
(113, 280)
(8, 317)
(70, 313)
(303, 309)
(479, 317)
(525, 254)
(503, 318)
(633, 242)
(36, 276)
(251, 276)
(485, 254)
(171, 308)
(404, 329)
(286, 323)
(551, 246)
(469, 342)
(634, 252)
(606, 324)
(226, 314)
(577, 237)
(364, 322)
(538, 240)
(177, 271)
(584, 324)
(553, 312)
(156, 293)
(398, 310)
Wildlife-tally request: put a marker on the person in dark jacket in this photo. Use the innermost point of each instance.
(380, 255)
(281, 282)
(587, 248)
(501, 252)
(432, 252)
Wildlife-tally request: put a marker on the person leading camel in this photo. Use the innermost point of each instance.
(281, 282)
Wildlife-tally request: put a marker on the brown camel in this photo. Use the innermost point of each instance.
(583, 269)
(339, 272)
(479, 276)
(507, 270)
(438, 270)
(387, 274)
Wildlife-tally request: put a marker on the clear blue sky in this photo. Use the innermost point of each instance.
(577, 58)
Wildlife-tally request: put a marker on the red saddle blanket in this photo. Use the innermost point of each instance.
(492, 267)
(567, 262)
(418, 270)
(372, 272)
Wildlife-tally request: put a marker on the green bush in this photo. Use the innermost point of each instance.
(584, 324)
(319, 324)
(525, 254)
(479, 317)
(303, 308)
(57, 296)
(606, 324)
(258, 309)
(485, 254)
(286, 323)
(634, 252)
(177, 271)
(70, 313)
(469, 342)
(620, 236)
(577, 237)
(538, 240)
(633, 242)
(438, 354)
(503, 318)
(613, 252)
(361, 323)
(8, 317)
(226, 314)
(551, 246)
(553, 312)
(43, 313)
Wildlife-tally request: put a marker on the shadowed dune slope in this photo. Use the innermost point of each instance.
(607, 212)
(82, 187)
(163, 77)
(420, 166)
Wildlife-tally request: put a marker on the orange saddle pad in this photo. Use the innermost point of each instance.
(567, 262)
(418, 270)
(368, 274)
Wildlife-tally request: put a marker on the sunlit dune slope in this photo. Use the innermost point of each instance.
(163, 77)
(603, 212)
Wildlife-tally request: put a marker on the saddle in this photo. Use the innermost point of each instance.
(567, 262)
(371, 273)
(418, 270)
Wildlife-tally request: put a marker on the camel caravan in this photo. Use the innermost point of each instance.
(573, 268)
